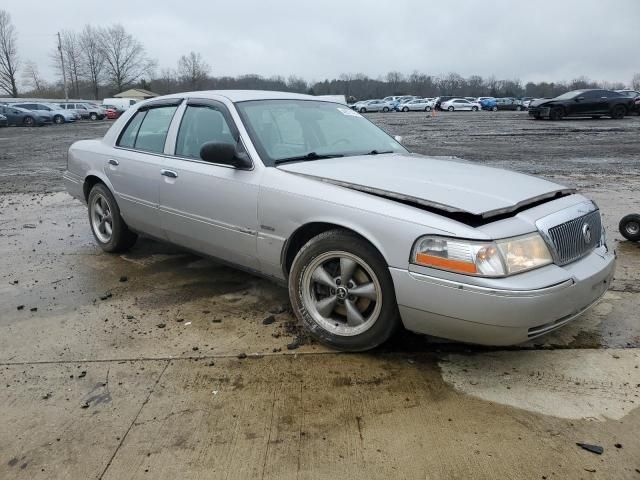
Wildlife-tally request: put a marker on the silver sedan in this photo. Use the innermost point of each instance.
(420, 104)
(366, 235)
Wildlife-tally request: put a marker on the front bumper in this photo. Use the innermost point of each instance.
(540, 111)
(500, 316)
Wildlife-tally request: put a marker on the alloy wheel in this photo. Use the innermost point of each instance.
(101, 218)
(342, 293)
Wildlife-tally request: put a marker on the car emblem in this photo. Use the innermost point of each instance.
(586, 232)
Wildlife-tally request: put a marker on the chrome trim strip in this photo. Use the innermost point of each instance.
(208, 221)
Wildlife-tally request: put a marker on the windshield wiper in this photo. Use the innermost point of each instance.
(307, 157)
(377, 152)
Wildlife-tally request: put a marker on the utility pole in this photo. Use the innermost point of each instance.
(64, 73)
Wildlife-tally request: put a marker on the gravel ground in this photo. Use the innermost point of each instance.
(160, 364)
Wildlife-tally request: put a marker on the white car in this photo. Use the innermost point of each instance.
(419, 104)
(373, 106)
(460, 104)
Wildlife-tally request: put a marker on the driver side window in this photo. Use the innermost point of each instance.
(201, 124)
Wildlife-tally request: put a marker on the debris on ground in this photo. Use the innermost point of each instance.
(47, 396)
(84, 405)
(591, 448)
(20, 307)
(161, 325)
(242, 356)
(123, 278)
(106, 296)
(269, 320)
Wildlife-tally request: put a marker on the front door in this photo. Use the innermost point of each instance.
(207, 207)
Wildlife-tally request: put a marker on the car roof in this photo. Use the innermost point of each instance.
(245, 95)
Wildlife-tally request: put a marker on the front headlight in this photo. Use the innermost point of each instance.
(486, 259)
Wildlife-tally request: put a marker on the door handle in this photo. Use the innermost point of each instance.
(169, 173)
(113, 162)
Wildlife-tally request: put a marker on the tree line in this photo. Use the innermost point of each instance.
(101, 61)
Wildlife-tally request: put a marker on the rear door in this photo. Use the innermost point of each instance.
(209, 207)
(135, 164)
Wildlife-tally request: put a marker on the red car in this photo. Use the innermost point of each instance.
(113, 113)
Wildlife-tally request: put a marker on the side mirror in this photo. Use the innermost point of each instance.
(398, 138)
(225, 154)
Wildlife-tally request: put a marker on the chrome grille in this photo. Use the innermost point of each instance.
(569, 239)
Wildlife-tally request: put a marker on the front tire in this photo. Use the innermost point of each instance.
(58, 119)
(556, 113)
(451, 109)
(630, 227)
(618, 112)
(427, 108)
(107, 226)
(494, 109)
(28, 122)
(385, 109)
(363, 110)
(405, 109)
(341, 290)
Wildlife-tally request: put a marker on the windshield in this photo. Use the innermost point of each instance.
(569, 95)
(283, 129)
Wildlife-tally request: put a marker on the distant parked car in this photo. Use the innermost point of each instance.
(58, 114)
(86, 110)
(418, 104)
(23, 117)
(460, 104)
(113, 113)
(374, 106)
(400, 100)
(586, 103)
(488, 103)
(4, 122)
(121, 103)
(507, 104)
(440, 100)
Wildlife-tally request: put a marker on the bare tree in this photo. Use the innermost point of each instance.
(8, 55)
(635, 82)
(168, 81)
(31, 76)
(193, 70)
(73, 60)
(125, 58)
(92, 57)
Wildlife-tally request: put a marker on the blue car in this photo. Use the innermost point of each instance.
(488, 103)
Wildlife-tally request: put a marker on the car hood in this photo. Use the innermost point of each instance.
(450, 185)
(540, 101)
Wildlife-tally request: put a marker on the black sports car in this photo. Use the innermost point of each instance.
(582, 103)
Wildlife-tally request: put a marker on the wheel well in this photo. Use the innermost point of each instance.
(305, 233)
(89, 183)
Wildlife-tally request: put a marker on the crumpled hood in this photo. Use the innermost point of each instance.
(540, 101)
(450, 185)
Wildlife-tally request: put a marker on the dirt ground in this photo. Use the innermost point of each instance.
(159, 364)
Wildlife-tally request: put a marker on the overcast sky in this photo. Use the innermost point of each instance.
(530, 40)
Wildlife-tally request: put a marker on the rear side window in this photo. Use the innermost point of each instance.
(148, 129)
(201, 124)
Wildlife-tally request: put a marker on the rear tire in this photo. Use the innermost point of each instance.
(474, 109)
(28, 122)
(494, 109)
(108, 227)
(427, 108)
(630, 227)
(385, 109)
(93, 116)
(323, 292)
(519, 108)
(618, 112)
